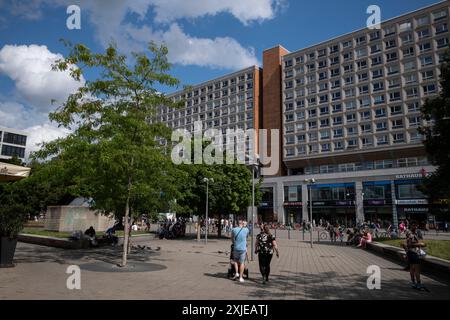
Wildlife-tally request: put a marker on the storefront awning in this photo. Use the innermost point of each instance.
(10, 172)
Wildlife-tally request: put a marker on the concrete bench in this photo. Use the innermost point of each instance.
(53, 242)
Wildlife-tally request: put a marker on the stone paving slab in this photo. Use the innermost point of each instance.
(187, 270)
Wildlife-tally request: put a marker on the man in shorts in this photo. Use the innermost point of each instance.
(239, 239)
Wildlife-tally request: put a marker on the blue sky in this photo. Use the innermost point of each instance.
(206, 39)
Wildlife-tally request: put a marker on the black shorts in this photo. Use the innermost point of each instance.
(413, 257)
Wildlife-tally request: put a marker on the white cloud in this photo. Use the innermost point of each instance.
(112, 25)
(245, 11)
(30, 67)
(221, 52)
(43, 133)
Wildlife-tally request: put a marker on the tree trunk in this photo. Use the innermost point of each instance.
(126, 231)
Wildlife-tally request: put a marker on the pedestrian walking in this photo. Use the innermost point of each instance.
(265, 245)
(239, 242)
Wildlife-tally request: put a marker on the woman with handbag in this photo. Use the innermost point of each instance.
(264, 247)
(414, 253)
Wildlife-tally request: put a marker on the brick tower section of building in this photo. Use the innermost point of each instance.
(272, 98)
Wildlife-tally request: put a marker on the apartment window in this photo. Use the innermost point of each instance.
(288, 63)
(299, 60)
(361, 40)
(351, 117)
(428, 75)
(289, 106)
(382, 140)
(363, 77)
(379, 99)
(393, 69)
(365, 115)
(379, 113)
(349, 80)
(424, 47)
(337, 108)
(290, 140)
(312, 78)
(423, 21)
(377, 73)
(381, 126)
(289, 95)
(348, 56)
(391, 44)
(300, 104)
(311, 67)
(312, 90)
(362, 64)
(408, 52)
(312, 124)
(312, 113)
(289, 128)
(364, 89)
(415, 136)
(351, 144)
(407, 38)
(397, 124)
(338, 133)
(405, 26)
(322, 64)
(412, 92)
(398, 137)
(352, 131)
(323, 75)
(301, 150)
(290, 152)
(366, 142)
(378, 86)
(411, 65)
(411, 78)
(375, 48)
(312, 56)
(337, 121)
(326, 147)
(300, 126)
(289, 74)
(364, 102)
(335, 84)
(334, 60)
(366, 128)
(324, 110)
(323, 99)
(429, 89)
(334, 48)
(396, 110)
(324, 123)
(395, 96)
(300, 115)
(375, 35)
(441, 28)
(338, 145)
(347, 44)
(301, 138)
(312, 136)
(348, 68)
(377, 60)
(391, 56)
(423, 33)
(414, 121)
(321, 53)
(439, 15)
(300, 81)
(11, 151)
(324, 135)
(413, 107)
(361, 53)
(312, 101)
(13, 138)
(335, 72)
(336, 95)
(388, 31)
(441, 43)
(350, 105)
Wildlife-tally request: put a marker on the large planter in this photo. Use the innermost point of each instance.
(7, 249)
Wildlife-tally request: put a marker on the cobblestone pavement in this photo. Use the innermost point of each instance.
(186, 269)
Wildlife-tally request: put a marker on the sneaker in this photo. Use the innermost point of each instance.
(241, 280)
(236, 276)
(419, 286)
(413, 285)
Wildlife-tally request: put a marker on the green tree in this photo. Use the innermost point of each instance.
(437, 137)
(113, 151)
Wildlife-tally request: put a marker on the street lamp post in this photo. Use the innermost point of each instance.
(254, 165)
(207, 205)
(311, 182)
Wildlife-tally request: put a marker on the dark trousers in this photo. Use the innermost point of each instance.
(264, 264)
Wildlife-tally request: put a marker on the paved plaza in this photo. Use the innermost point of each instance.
(186, 269)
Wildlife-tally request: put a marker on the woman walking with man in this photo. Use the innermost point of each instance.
(264, 247)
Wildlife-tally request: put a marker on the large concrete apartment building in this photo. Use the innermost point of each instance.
(12, 143)
(348, 111)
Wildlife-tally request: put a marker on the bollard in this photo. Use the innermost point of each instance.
(318, 236)
(289, 234)
(303, 234)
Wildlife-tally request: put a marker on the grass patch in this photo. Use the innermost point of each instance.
(435, 248)
(65, 235)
